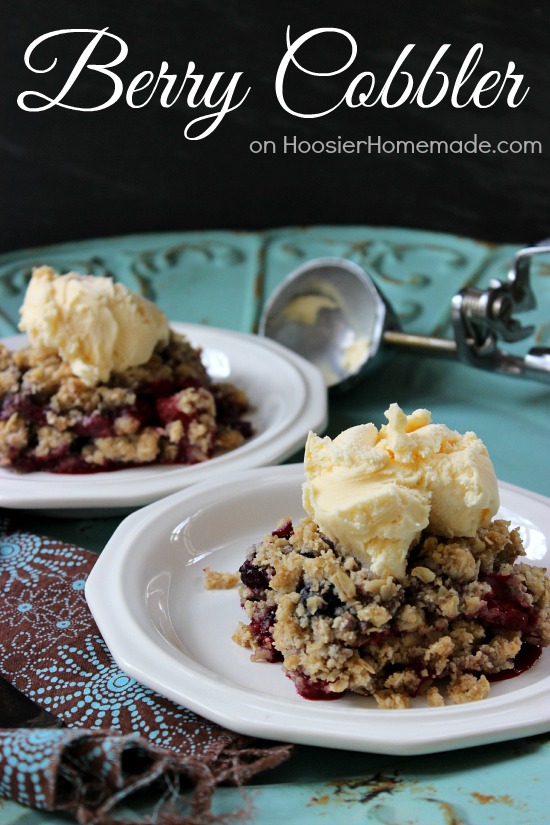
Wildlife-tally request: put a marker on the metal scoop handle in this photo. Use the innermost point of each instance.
(421, 344)
(534, 366)
(481, 318)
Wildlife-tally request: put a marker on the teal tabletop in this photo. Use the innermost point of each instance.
(222, 279)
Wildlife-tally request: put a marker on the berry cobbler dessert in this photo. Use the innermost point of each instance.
(399, 582)
(104, 383)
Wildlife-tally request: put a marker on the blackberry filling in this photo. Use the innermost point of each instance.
(504, 607)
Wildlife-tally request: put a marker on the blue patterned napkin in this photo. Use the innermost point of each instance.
(118, 736)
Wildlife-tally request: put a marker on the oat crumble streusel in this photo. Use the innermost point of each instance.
(166, 411)
(456, 620)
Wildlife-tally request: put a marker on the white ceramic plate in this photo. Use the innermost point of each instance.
(163, 628)
(288, 396)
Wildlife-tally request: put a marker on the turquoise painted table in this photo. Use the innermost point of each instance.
(222, 279)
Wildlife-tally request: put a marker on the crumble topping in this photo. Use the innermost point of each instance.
(166, 411)
(216, 580)
(463, 613)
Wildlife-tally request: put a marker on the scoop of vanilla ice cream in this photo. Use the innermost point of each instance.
(374, 491)
(95, 325)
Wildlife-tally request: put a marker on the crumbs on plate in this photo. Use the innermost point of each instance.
(214, 580)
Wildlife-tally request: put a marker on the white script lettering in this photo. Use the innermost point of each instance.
(215, 97)
(480, 96)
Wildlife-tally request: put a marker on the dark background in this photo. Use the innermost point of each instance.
(67, 175)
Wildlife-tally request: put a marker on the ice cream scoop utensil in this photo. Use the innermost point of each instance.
(330, 311)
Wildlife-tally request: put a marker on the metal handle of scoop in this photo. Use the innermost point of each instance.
(481, 318)
(421, 344)
(535, 365)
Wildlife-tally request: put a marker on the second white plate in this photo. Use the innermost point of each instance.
(147, 595)
(288, 397)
